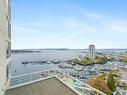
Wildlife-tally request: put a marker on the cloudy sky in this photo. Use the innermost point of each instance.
(69, 23)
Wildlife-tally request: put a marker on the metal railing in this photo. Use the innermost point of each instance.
(70, 81)
(78, 85)
(19, 80)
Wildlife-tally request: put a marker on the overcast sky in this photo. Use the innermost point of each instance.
(69, 23)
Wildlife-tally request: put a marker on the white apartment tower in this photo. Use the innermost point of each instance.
(5, 44)
(92, 51)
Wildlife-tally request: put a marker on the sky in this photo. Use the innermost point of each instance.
(72, 24)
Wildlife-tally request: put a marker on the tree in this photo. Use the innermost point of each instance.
(101, 76)
(111, 82)
(125, 59)
(100, 84)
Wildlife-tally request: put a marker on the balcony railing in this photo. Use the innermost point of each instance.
(78, 85)
(71, 82)
(31, 77)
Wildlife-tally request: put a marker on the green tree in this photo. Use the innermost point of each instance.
(111, 82)
(125, 59)
(100, 84)
(101, 76)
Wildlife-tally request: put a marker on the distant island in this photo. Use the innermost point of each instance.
(55, 49)
(24, 51)
(35, 50)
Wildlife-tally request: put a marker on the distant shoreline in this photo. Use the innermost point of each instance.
(57, 49)
(24, 51)
(68, 49)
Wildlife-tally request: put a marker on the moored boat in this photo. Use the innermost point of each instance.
(62, 66)
(23, 62)
(56, 62)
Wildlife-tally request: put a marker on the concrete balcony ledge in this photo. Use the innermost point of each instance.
(26, 80)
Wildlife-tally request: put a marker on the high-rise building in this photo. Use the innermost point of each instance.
(92, 51)
(5, 44)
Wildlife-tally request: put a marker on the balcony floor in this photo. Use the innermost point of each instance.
(51, 86)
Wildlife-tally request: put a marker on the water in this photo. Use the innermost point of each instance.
(18, 68)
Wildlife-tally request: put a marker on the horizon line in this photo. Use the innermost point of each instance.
(63, 48)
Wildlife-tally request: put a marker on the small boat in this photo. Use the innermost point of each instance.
(73, 64)
(24, 62)
(68, 61)
(79, 68)
(71, 67)
(43, 61)
(56, 62)
(48, 62)
(105, 69)
(62, 66)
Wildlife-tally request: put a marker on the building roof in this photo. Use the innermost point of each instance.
(50, 86)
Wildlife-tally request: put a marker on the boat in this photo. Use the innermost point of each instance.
(62, 66)
(23, 62)
(72, 63)
(39, 61)
(56, 62)
(69, 61)
(105, 69)
(48, 62)
(82, 77)
(79, 68)
(71, 67)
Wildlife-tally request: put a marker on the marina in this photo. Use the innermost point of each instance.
(24, 63)
(78, 71)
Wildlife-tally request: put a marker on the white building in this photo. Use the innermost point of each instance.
(91, 51)
(5, 44)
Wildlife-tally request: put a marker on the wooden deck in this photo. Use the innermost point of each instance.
(51, 86)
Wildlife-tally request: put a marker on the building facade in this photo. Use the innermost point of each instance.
(92, 51)
(5, 44)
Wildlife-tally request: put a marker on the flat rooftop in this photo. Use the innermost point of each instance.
(50, 86)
